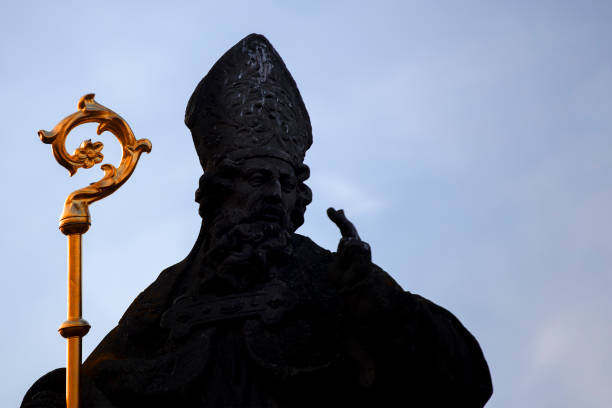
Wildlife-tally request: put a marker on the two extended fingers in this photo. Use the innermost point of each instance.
(347, 229)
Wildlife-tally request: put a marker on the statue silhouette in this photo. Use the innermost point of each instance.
(257, 315)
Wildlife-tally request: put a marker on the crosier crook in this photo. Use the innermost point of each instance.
(75, 219)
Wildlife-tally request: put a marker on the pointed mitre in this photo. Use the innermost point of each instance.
(248, 105)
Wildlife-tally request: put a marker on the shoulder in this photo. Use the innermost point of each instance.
(305, 246)
(151, 300)
(140, 323)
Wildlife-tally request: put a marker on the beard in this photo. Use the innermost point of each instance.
(243, 249)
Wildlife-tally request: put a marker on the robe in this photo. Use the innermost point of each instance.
(295, 340)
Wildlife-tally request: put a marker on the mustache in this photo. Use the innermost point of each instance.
(267, 212)
(263, 217)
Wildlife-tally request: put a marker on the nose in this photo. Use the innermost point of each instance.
(272, 190)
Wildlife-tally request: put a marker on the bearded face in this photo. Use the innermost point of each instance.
(265, 191)
(250, 220)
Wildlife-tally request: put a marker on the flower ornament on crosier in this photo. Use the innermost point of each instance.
(89, 154)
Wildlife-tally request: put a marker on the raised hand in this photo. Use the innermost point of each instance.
(354, 255)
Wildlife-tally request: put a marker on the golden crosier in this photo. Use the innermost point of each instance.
(75, 216)
(75, 219)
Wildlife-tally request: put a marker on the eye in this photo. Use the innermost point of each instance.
(256, 179)
(288, 184)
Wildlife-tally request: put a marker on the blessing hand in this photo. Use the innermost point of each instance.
(354, 255)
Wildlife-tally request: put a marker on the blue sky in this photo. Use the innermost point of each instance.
(470, 143)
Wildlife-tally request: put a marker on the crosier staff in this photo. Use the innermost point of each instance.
(75, 219)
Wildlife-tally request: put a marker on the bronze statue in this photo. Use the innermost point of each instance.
(257, 315)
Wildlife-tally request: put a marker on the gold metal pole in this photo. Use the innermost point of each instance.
(75, 327)
(73, 369)
(75, 219)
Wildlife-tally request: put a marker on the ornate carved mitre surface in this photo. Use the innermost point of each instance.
(248, 105)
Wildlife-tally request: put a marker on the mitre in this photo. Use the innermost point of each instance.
(248, 105)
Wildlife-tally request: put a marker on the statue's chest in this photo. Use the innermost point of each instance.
(305, 340)
(288, 325)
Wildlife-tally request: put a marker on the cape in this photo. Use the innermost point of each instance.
(294, 341)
